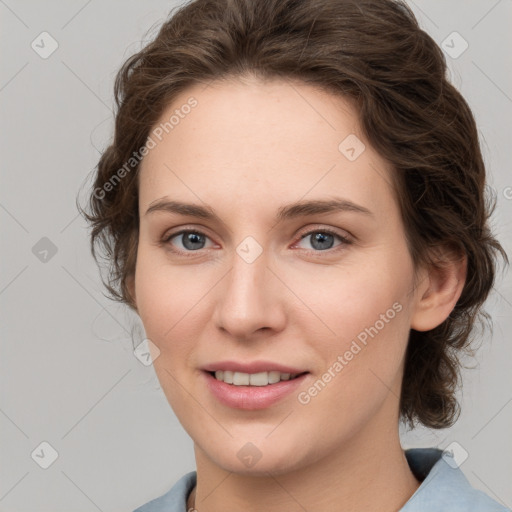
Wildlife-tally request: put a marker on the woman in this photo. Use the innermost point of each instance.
(294, 206)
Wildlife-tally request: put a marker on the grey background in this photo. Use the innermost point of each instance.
(68, 375)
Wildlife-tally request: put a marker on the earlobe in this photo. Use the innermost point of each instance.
(443, 287)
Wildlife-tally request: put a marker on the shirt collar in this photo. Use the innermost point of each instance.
(443, 485)
(443, 488)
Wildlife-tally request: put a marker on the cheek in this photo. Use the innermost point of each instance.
(169, 300)
(361, 366)
(343, 302)
(363, 316)
(171, 307)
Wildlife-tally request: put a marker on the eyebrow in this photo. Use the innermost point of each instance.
(286, 212)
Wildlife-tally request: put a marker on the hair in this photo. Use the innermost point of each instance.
(371, 52)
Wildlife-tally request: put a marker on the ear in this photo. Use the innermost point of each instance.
(439, 290)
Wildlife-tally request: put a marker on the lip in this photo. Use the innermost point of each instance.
(251, 397)
(252, 367)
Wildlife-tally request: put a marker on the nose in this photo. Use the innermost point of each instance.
(250, 299)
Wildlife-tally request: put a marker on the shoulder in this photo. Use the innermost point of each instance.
(444, 486)
(174, 500)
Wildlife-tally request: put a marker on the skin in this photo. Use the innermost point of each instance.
(248, 148)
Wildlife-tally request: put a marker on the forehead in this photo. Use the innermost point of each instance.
(256, 140)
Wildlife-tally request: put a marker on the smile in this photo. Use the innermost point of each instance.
(252, 379)
(248, 396)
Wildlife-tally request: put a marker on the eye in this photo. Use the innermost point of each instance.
(190, 240)
(323, 239)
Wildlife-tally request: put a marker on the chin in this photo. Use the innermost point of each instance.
(257, 458)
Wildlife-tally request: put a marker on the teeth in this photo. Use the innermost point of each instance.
(252, 379)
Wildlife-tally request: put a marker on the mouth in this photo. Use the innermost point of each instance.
(259, 379)
(255, 391)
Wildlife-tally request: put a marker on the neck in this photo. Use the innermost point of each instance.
(369, 472)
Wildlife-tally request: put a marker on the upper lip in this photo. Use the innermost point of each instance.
(252, 367)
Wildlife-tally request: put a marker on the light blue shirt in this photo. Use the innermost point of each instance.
(444, 488)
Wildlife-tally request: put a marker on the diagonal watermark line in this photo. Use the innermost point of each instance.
(92, 133)
(76, 14)
(491, 491)
(424, 13)
(381, 175)
(389, 389)
(486, 14)
(14, 423)
(199, 403)
(14, 485)
(14, 218)
(192, 307)
(286, 491)
(506, 403)
(290, 84)
(503, 297)
(95, 300)
(69, 223)
(88, 497)
(15, 75)
(98, 97)
(302, 301)
(492, 81)
(102, 397)
(280, 423)
(2, 2)
(441, 442)
(208, 84)
(169, 169)
(13, 279)
(217, 486)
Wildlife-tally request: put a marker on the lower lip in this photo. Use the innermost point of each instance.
(251, 397)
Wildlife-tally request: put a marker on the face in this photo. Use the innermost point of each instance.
(257, 275)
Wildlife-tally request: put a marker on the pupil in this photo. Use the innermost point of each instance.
(321, 238)
(189, 239)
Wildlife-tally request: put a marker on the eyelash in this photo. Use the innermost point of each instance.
(344, 241)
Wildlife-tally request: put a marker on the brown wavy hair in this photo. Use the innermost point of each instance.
(371, 51)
